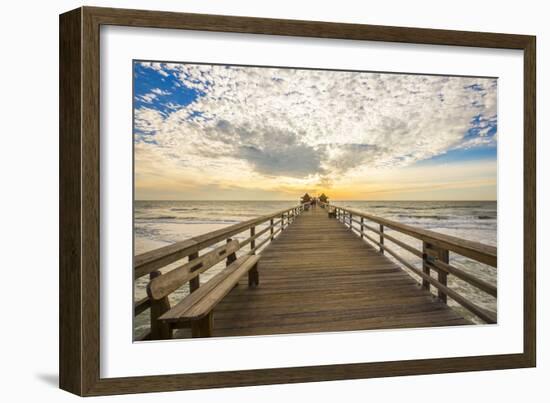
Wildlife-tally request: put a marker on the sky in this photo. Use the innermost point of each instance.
(216, 132)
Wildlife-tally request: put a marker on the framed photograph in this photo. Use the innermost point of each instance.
(249, 201)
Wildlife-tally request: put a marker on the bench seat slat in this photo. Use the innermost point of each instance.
(181, 311)
(208, 303)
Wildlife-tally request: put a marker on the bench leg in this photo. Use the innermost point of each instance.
(159, 330)
(203, 327)
(253, 276)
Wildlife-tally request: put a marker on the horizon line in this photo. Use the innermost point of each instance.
(340, 200)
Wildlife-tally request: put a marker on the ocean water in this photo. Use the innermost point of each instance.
(160, 223)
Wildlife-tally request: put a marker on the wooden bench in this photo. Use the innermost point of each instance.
(196, 309)
(331, 212)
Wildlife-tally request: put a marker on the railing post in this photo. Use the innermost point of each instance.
(271, 225)
(430, 254)
(232, 257)
(362, 226)
(442, 275)
(425, 267)
(159, 330)
(443, 255)
(253, 242)
(195, 282)
(381, 238)
(351, 221)
(282, 221)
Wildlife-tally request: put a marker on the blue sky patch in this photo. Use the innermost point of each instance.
(160, 90)
(462, 155)
(474, 87)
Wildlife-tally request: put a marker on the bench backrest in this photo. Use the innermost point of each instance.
(167, 283)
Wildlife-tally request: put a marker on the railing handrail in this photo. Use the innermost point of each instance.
(475, 250)
(147, 262)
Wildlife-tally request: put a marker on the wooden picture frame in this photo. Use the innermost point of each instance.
(80, 200)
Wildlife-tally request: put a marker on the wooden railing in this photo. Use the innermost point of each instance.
(150, 263)
(434, 255)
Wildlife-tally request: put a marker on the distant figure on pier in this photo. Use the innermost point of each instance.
(312, 201)
(305, 199)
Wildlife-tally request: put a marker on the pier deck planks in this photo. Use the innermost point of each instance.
(318, 276)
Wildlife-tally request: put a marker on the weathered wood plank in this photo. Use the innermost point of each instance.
(319, 276)
(223, 288)
(159, 330)
(196, 305)
(167, 283)
(142, 305)
(483, 253)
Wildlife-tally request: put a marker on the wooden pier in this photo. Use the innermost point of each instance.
(308, 269)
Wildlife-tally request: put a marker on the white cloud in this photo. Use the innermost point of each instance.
(148, 121)
(158, 91)
(147, 98)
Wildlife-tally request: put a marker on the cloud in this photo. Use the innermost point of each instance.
(269, 151)
(342, 157)
(305, 125)
(300, 160)
(148, 121)
(158, 91)
(147, 98)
